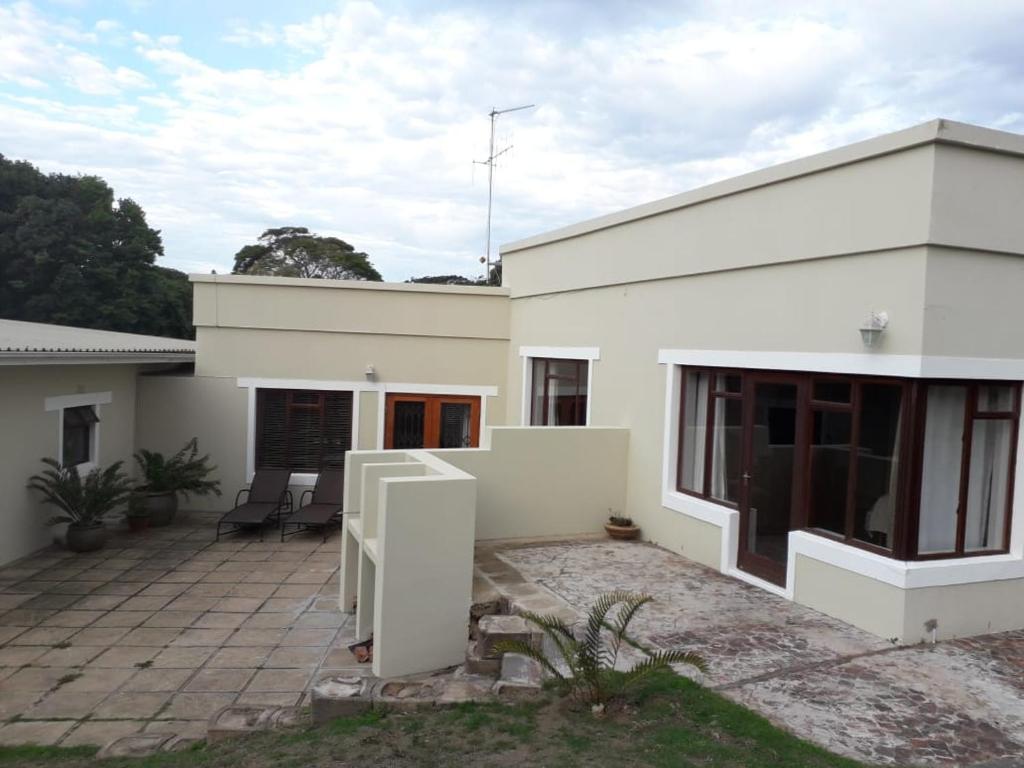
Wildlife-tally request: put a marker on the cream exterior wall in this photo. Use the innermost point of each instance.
(174, 409)
(790, 261)
(795, 307)
(554, 481)
(31, 433)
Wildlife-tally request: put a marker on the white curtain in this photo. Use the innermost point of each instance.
(987, 484)
(695, 419)
(940, 479)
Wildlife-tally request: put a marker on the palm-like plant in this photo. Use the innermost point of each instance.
(82, 501)
(590, 658)
(185, 472)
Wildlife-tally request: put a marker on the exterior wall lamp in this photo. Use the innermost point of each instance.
(873, 328)
(370, 373)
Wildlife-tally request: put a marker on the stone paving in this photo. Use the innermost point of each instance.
(161, 629)
(953, 703)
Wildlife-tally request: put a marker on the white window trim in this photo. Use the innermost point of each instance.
(356, 388)
(61, 402)
(463, 390)
(902, 574)
(590, 354)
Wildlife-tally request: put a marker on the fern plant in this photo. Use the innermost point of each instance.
(82, 501)
(590, 656)
(185, 472)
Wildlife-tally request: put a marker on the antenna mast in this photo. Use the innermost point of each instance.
(489, 162)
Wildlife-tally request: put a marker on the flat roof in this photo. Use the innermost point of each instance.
(36, 343)
(939, 131)
(359, 285)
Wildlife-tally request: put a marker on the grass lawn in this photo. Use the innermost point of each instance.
(669, 722)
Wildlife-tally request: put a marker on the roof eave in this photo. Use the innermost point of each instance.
(94, 358)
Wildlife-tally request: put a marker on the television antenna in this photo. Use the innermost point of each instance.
(489, 162)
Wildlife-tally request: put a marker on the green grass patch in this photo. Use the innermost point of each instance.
(668, 721)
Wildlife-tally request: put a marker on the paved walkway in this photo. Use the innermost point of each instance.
(159, 630)
(954, 703)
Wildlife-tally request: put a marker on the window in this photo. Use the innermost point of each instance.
(967, 468)
(907, 468)
(78, 433)
(559, 396)
(431, 421)
(302, 430)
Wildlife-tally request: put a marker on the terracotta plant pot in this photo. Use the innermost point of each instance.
(623, 532)
(138, 523)
(86, 538)
(161, 507)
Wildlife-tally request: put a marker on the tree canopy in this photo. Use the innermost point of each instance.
(297, 252)
(73, 255)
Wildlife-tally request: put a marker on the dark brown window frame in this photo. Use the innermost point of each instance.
(906, 507)
(580, 412)
(290, 406)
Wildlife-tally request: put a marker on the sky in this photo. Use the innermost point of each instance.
(362, 120)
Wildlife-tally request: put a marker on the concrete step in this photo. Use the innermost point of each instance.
(478, 665)
(495, 629)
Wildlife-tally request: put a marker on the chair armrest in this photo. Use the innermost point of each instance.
(302, 498)
(239, 495)
(286, 501)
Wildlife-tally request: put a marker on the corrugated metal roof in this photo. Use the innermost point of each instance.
(17, 337)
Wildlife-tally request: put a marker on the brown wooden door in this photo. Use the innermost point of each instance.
(414, 421)
(773, 447)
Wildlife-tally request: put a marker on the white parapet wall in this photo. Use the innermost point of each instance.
(411, 519)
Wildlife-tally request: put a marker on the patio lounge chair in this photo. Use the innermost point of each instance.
(324, 509)
(268, 497)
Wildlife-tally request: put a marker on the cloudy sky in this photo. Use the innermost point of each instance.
(362, 119)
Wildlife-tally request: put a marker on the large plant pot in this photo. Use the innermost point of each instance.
(622, 532)
(162, 507)
(86, 538)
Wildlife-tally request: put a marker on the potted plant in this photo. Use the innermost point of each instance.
(137, 514)
(185, 472)
(621, 527)
(82, 501)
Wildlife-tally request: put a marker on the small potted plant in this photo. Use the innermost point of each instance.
(186, 472)
(82, 502)
(621, 527)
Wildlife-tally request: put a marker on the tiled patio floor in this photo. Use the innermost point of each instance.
(954, 703)
(159, 630)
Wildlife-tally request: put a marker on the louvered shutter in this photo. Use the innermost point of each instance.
(302, 430)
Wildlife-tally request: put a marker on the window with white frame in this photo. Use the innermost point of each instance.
(557, 384)
(78, 427)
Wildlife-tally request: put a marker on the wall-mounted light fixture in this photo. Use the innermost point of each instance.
(873, 328)
(370, 372)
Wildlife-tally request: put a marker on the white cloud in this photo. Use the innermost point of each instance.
(367, 121)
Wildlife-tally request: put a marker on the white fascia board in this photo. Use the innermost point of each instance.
(906, 366)
(74, 401)
(562, 353)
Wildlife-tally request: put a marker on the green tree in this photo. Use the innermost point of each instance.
(297, 252)
(70, 253)
(495, 278)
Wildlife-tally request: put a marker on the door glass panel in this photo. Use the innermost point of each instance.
(877, 463)
(408, 425)
(940, 474)
(727, 450)
(559, 392)
(773, 438)
(455, 425)
(987, 484)
(830, 470)
(729, 382)
(695, 419)
(997, 399)
(831, 391)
